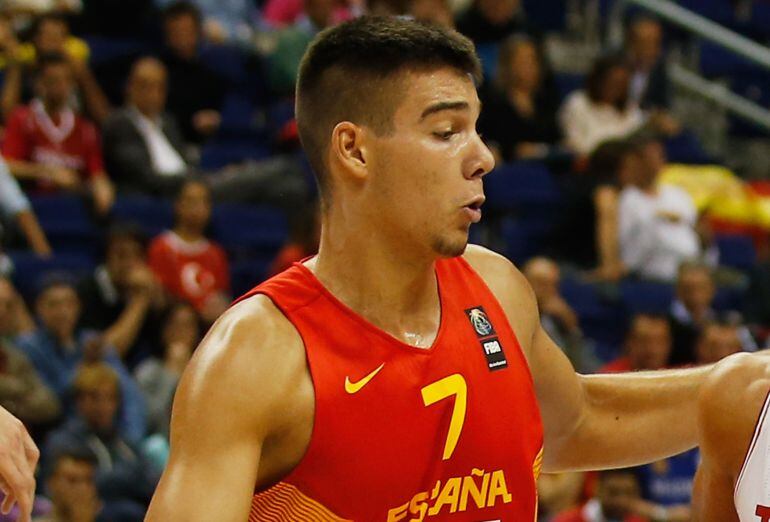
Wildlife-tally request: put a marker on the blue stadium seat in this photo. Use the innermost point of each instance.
(239, 117)
(57, 208)
(730, 299)
(646, 296)
(544, 16)
(567, 83)
(245, 229)
(221, 153)
(582, 296)
(720, 11)
(756, 87)
(67, 223)
(600, 318)
(152, 215)
(488, 54)
(526, 186)
(686, 148)
(736, 251)
(718, 62)
(523, 239)
(227, 61)
(760, 19)
(105, 49)
(247, 273)
(28, 268)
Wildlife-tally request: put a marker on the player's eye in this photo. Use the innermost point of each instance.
(445, 135)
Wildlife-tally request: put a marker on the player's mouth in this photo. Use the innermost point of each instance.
(473, 208)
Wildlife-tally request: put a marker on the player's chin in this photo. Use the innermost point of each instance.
(453, 245)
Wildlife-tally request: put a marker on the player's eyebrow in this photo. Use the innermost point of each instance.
(444, 106)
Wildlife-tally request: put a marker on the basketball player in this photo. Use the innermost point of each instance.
(732, 480)
(397, 375)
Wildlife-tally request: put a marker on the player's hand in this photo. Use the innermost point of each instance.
(18, 458)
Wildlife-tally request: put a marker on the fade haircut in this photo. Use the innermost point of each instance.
(352, 72)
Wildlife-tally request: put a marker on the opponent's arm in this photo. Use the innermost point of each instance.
(595, 421)
(729, 406)
(228, 403)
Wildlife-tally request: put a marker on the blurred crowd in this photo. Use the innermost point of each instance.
(151, 172)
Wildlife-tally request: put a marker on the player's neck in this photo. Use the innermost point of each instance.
(385, 282)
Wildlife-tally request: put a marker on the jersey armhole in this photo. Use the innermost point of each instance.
(754, 439)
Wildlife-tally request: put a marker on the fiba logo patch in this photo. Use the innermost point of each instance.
(479, 321)
(491, 346)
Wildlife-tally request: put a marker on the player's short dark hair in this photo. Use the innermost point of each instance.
(182, 8)
(46, 60)
(349, 73)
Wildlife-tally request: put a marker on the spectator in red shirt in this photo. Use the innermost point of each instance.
(617, 499)
(48, 145)
(189, 266)
(648, 345)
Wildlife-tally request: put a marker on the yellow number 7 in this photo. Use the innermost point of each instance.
(445, 388)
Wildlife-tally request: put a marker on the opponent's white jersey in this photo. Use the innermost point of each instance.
(752, 489)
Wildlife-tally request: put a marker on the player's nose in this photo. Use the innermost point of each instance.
(482, 161)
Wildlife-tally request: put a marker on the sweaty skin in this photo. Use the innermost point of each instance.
(244, 409)
(730, 404)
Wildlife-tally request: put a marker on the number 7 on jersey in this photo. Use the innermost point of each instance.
(443, 389)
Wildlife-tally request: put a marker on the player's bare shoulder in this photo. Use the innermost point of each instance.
(730, 402)
(509, 286)
(251, 369)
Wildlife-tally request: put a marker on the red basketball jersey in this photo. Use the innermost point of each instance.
(452, 432)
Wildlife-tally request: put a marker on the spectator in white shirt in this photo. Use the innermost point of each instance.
(602, 111)
(658, 224)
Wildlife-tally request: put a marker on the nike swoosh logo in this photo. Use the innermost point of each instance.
(355, 387)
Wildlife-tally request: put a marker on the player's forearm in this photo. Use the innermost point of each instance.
(635, 418)
(25, 170)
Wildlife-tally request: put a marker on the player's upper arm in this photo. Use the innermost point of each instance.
(558, 387)
(226, 406)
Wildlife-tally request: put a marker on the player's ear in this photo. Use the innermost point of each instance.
(348, 148)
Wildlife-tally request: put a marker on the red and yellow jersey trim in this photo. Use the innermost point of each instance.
(285, 503)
